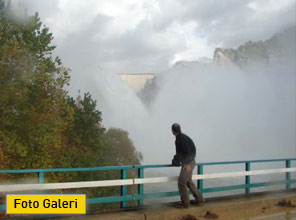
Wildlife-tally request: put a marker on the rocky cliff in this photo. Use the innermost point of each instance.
(278, 47)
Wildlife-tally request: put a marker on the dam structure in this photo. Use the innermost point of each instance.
(136, 81)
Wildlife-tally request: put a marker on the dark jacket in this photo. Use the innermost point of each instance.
(185, 148)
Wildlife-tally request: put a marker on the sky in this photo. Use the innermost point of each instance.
(151, 35)
(97, 39)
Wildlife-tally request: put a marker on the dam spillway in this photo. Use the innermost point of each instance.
(136, 81)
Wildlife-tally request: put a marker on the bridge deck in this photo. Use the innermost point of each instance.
(257, 207)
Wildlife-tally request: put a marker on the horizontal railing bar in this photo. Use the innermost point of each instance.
(122, 182)
(223, 188)
(243, 186)
(243, 173)
(131, 166)
(67, 185)
(126, 198)
(68, 169)
(245, 161)
(156, 180)
(254, 185)
(157, 195)
(214, 175)
(153, 166)
(217, 163)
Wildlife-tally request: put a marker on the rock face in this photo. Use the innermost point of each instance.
(280, 46)
(222, 56)
(149, 92)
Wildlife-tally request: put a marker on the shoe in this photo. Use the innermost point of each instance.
(199, 199)
(181, 206)
(199, 202)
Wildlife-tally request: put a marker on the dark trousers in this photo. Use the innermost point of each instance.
(184, 181)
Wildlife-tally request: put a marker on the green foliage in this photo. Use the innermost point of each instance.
(40, 125)
(34, 112)
(86, 134)
(90, 145)
(119, 149)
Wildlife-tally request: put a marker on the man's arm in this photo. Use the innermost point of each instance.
(177, 157)
(186, 149)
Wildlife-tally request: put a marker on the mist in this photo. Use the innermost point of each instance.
(231, 113)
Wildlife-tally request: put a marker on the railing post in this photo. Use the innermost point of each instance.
(288, 175)
(41, 179)
(140, 186)
(123, 189)
(247, 178)
(200, 182)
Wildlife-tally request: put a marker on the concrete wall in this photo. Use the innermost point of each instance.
(136, 81)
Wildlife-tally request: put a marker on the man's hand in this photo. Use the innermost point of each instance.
(187, 168)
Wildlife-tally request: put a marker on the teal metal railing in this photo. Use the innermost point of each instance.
(123, 198)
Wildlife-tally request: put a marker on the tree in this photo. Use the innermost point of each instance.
(86, 134)
(40, 125)
(34, 112)
(118, 148)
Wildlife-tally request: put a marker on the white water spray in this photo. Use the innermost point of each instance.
(231, 114)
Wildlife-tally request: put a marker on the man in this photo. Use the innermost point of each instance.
(185, 153)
